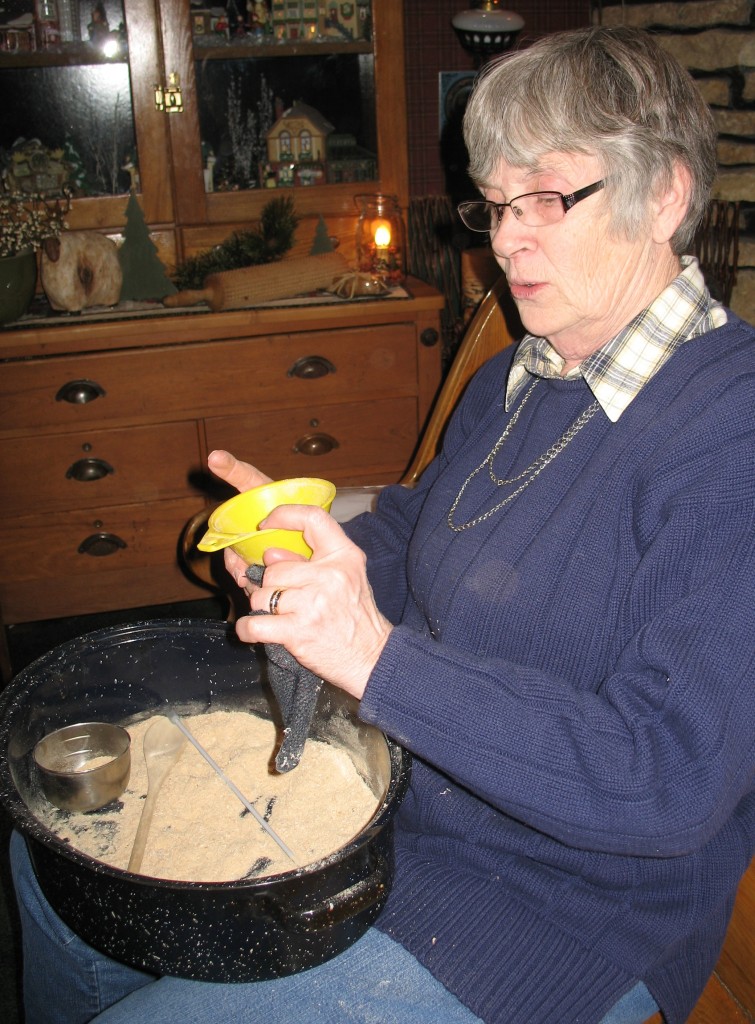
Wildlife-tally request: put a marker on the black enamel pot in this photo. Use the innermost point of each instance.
(247, 930)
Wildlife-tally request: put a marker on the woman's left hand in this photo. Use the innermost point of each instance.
(326, 616)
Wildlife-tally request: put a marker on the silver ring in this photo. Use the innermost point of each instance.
(274, 601)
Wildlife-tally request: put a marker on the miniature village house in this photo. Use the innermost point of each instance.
(297, 20)
(298, 136)
(19, 35)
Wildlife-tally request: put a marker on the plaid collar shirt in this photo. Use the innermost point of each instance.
(619, 369)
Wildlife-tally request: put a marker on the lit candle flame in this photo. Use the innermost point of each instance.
(382, 234)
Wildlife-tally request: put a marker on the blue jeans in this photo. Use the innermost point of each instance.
(375, 980)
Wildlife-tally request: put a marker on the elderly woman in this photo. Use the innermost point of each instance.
(557, 621)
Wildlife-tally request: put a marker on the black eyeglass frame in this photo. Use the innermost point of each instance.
(569, 200)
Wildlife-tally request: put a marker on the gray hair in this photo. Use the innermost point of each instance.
(612, 93)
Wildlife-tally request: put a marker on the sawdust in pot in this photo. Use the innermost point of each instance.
(201, 832)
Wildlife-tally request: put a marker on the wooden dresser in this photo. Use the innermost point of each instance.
(105, 430)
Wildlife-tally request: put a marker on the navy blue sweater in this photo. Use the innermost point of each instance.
(576, 678)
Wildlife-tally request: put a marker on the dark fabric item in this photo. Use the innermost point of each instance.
(296, 690)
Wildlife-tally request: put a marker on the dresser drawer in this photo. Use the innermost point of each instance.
(54, 549)
(107, 591)
(43, 574)
(145, 385)
(98, 468)
(349, 443)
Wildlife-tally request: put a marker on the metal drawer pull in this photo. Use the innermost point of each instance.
(89, 469)
(315, 444)
(100, 544)
(311, 367)
(79, 392)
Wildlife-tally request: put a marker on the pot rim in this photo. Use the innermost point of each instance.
(27, 822)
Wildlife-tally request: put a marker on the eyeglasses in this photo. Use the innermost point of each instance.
(534, 209)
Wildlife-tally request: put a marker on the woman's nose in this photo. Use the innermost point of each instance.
(509, 235)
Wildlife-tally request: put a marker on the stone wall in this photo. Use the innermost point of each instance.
(715, 41)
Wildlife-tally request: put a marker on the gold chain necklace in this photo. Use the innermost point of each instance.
(527, 475)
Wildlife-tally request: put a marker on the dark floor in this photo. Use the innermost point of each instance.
(27, 641)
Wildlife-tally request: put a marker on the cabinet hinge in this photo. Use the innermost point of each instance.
(168, 97)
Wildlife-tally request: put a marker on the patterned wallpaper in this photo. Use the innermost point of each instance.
(432, 47)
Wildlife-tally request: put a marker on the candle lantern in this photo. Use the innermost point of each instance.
(380, 238)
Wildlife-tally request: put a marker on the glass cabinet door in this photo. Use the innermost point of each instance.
(77, 83)
(301, 95)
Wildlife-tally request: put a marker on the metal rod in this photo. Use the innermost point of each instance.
(231, 785)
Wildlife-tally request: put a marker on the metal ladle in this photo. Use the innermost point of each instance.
(163, 744)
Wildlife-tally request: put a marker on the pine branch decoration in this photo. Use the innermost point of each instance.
(266, 243)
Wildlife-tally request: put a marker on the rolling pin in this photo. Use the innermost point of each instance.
(250, 286)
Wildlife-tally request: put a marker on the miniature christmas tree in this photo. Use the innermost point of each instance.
(321, 242)
(78, 176)
(144, 275)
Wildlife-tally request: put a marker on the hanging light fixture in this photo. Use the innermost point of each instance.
(486, 29)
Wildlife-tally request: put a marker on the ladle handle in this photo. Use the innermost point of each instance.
(231, 785)
(140, 840)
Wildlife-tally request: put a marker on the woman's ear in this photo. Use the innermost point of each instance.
(671, 205)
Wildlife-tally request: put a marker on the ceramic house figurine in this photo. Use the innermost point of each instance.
(297, 146)
(19, 35)
(295, 20)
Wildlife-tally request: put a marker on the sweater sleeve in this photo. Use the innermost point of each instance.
(652, 760)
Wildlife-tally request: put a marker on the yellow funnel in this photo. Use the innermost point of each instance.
(234, 524)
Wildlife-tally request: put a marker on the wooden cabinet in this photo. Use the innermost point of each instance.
(200, 164)
(105, 429)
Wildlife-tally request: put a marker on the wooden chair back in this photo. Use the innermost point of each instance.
(486, 334)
